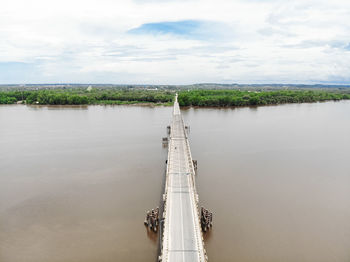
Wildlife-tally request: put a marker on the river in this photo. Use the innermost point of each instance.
(75, 182)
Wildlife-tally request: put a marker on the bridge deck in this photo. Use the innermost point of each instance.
(182, 237)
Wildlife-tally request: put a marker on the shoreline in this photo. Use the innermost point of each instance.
(169, 105)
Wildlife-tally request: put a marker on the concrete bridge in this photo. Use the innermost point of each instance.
(181, 219)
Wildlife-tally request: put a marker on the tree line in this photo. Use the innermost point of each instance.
(83, 97)
(216, 98)
(230, 98)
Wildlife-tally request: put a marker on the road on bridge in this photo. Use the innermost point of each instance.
(182, 234)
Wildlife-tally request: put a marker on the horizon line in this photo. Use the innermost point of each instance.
(210, 83)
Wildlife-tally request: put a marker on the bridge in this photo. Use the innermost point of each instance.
(181, 219)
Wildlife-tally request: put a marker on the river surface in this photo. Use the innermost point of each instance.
(75, 182)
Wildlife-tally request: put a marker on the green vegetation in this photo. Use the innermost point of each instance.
(202, 97)
(84, 97)
(224, 98)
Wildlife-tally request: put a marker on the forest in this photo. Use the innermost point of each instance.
(84, 97)
(213, 98)
(231, 98)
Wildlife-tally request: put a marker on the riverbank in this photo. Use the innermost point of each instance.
(196, 98)
(87, 97)
(238, 98)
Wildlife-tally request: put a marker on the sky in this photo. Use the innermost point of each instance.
(175, 41)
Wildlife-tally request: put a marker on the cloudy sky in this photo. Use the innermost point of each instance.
(175, 41)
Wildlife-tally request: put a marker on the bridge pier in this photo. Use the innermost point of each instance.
(206, 219)
(195, 165)
(165, 141)
(152, 219)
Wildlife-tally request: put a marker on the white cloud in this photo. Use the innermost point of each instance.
(258, 41)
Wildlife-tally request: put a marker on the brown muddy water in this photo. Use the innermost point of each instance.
(75, 182)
